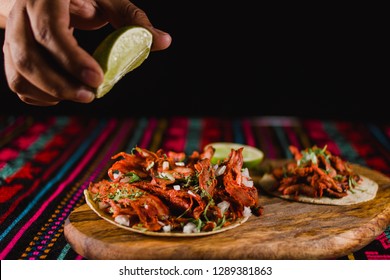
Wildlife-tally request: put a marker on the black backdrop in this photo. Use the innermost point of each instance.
(241, 58)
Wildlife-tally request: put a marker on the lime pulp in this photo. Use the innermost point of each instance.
(121, 52)
(252, 156)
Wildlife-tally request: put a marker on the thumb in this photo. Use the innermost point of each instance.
(123, 13)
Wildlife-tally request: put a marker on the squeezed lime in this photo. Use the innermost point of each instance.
(121, 52)
(252, 156)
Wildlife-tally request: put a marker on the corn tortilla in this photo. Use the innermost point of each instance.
(366, 190)
(94, 207)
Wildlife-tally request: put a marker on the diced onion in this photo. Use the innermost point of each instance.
(247, 182)
(247, 211)
(176, 187)
(224, 205)
(150, 166)
(103, 205)
(167, 228)
(117, 175)
(123, 220)
(167, 175)
(245, 172)
(191, 193)
(190, 228)
(165, 165)
(220, 170)
(179, 163)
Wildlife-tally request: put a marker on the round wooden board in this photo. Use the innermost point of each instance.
(286, 230)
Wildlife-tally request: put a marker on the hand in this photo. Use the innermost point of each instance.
(43, 62)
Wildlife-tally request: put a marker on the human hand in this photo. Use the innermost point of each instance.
(43, 62)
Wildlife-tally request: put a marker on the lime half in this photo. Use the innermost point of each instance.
(252, 156)
(121, 52)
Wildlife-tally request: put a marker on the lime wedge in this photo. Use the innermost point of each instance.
(121, 52)
(252, 156)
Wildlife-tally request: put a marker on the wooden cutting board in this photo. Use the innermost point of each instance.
(286, 230)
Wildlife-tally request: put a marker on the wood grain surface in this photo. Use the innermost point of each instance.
(286, 230)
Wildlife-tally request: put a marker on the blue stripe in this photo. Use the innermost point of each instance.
(283, 141)
(57, 178)
(140, 128)
(193, 136)
(382, 138)
(237, 132)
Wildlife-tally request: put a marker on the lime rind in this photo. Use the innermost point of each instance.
(121, 52)
(252, 156)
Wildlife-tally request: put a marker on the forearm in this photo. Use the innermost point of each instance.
(5, 8)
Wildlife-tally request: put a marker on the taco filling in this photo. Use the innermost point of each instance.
(175, 193)
(317, 176)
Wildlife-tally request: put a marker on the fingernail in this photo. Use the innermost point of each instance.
(91, 77)
(84, 96)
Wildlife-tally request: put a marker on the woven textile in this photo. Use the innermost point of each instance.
(47, 161)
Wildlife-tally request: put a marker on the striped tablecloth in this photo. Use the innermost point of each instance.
(47, 161)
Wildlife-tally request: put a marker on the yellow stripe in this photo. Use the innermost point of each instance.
(157, 137)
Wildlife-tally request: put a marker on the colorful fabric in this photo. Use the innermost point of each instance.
(47, 161)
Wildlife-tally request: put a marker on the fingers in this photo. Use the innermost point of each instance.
(123, 12)
(26, 91)
(161, 39)
(43, 64)
(50, 22)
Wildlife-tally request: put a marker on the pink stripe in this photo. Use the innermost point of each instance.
(373, 255)
(211, 131)
(227, 128)
(264, 125)
(25, 141)
(387, 130)
(384, 240)
(176, 135)
(61, 187)
(146, 139)
(250, 138)
(292, 136)
(271, 152)
(320, 137)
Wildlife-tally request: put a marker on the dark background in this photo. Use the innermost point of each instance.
(243, 59)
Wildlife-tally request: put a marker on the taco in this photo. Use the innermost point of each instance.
(317, 176)
(172, 194)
